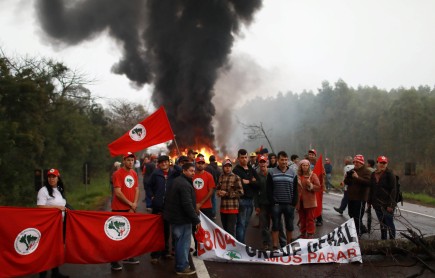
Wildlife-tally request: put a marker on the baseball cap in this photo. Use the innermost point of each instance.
(313, 151)
(129, 154)
(264, 151)
(54, 172)
(227, 162)
(382, 159)
(162, 158)
(191, 152)
(262, 158)
(199, 159)
(359, 158)
(183, 158)
(253, 154)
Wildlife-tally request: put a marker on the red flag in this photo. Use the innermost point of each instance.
(102, 237)
(319, 170)
(31, 240)
(155, 129)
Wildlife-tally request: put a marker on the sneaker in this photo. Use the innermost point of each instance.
(187, 271)
(340, 211)
(116, 266)
(195, 253)
(318, 223)
(154, 261)
(130, 261)
(266, 247)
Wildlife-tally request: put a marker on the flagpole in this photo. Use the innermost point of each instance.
(176, 145)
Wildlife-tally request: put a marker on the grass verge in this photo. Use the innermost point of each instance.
(89, 197)
(420, 198)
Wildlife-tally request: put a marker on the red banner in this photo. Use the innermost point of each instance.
(319, 170)
(102, 237)
(153, 130)
(31, 240)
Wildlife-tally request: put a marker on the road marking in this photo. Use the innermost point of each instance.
(410, 211)
(422, 214)
(201, 269)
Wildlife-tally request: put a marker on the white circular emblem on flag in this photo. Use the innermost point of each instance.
(27, 241)
(129, 181)
(117, 227)
(138, 132)
(198, 183)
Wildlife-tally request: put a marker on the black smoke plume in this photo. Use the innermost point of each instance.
(178, 45)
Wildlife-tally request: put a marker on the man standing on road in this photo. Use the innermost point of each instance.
(126, 195)
(229, 189)
(262, 205)
(358, 181)
(160, 180)
(282, 193)
(180, 212)
(204, 185)
(249, 179)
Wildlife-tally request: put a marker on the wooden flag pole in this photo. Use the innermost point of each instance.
(176, 145)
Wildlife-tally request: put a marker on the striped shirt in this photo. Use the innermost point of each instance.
(282, 186)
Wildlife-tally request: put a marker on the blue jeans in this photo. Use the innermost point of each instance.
(328, 181)
(213, 203)
(246, 207)
(387, 223)
(289, 216)
(181, 234)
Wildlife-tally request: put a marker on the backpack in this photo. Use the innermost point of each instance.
(399, 197)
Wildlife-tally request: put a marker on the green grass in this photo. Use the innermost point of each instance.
(90, 197)
(418, 197)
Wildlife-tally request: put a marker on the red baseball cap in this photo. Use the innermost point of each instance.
(262, 158)
(199, 159)
(359, 158)
(226, 162)
(54, 172)
(313, 151)
(382, 159)
(129, 154)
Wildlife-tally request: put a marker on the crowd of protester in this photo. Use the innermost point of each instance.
(275, 186)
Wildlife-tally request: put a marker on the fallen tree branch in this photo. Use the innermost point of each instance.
(395, 246)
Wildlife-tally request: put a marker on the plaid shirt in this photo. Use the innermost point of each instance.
(232, 184)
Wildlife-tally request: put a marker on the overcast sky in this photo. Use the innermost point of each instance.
(292, 45)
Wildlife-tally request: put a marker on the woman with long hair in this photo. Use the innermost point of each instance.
(52, 195)
(308, 184)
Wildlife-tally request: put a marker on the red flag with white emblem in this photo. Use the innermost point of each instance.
(31, 240)
(101, 237)
(155, 129)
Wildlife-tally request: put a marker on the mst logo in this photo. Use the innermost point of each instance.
(198, 183)
(117, 227)
(138, 132)
(129, 181)
(232, 255)
(27, 241)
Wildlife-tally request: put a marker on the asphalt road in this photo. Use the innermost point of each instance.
(380, 266)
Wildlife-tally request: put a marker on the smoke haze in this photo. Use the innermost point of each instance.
(179, 46)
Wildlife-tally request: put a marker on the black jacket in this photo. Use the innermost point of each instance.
(248, 189)
(181, 202)
(383, 192)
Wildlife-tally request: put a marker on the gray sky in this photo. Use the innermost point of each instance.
(292, 45)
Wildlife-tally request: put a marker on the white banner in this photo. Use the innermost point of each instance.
(339, 246)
